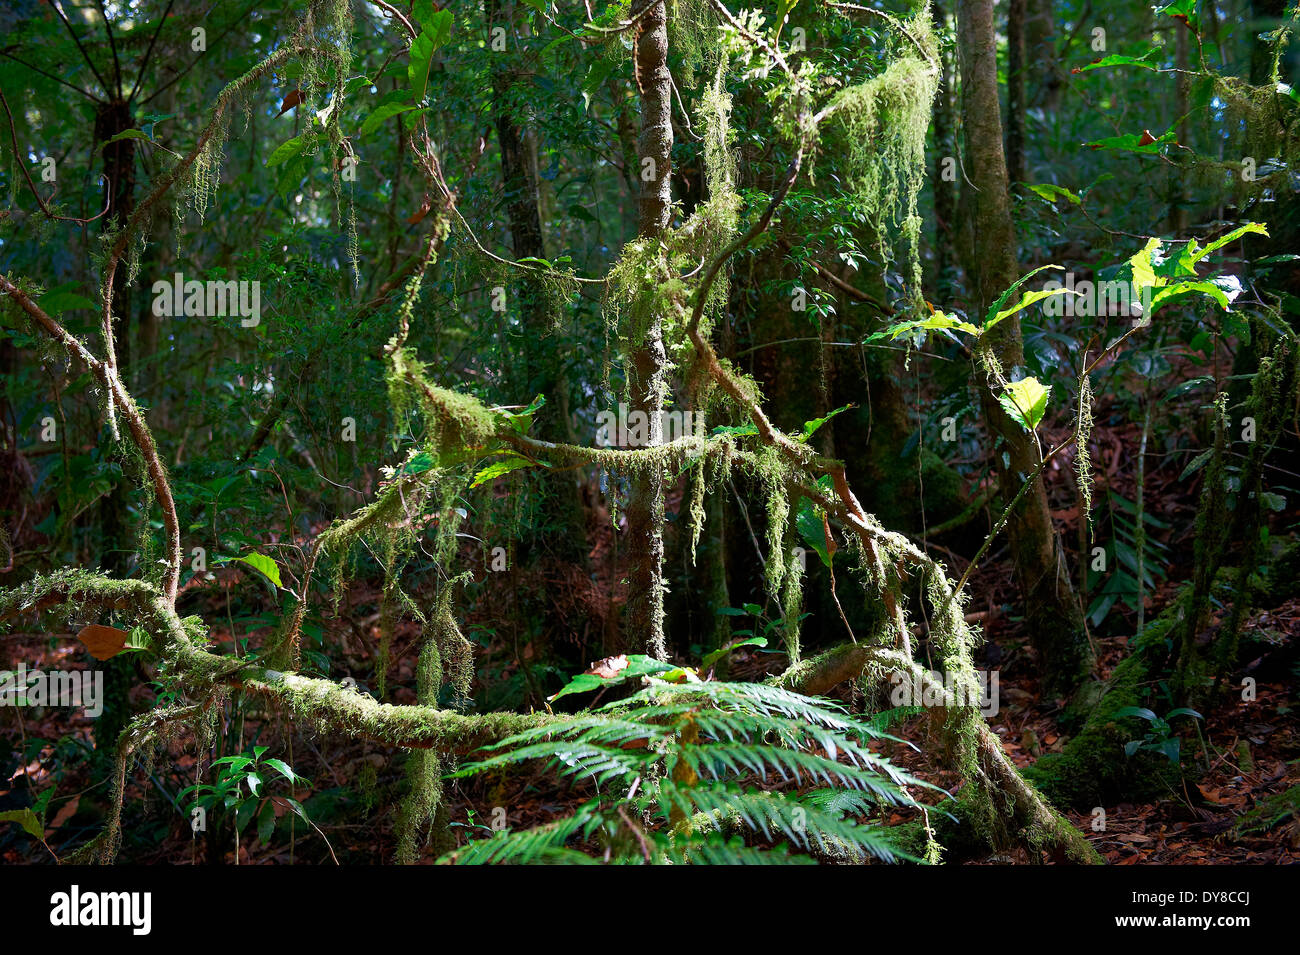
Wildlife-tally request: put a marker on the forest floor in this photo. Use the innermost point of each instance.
(1251, 752)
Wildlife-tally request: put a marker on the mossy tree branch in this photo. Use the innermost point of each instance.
(1009, 809)
(135, 421)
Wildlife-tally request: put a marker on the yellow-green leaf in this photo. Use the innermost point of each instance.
(1026, 401)
(507, 464)
(27, 819)
(264, 566)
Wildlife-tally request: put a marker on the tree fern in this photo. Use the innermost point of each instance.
(705, 773)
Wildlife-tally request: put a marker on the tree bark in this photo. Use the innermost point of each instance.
(1040, 54)
(943, 175)
(1016, 90)
(645, 508)
(111, 119)
(1054, 616)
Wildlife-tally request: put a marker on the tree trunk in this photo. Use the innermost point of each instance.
(562, 533)
(943, 174)
(645, 507)
(1178, 200)
(1055, 620)
(111, 119)
(1040, 54)
(1016, 91)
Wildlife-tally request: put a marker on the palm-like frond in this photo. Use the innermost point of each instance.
(692, 755)
(541, 844)
(798, 820)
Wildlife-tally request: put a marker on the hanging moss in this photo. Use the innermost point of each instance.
(1082, 457)
(1269, 126)
(885, 120)
(420, 805)
(792, 602)
(423, 768)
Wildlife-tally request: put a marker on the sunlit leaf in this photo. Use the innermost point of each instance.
(263, 565)
(1026, 401)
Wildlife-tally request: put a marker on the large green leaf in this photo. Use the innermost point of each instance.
(1144, 273)
(638, 665)
(380, 114)
(27, 819)
(291, 148)
(810, 427)
(1142, 142)
(1051, 193)
(1170, 292)
(1117, 59)
(716, 655)
(1029, 298)
(992, 317)
(435, 29)
(61, 298)
(521, 421)
(127, 134)
(939, 321)
(1184, 10)
(263, 565)
(1197, 253)
(511, 462)
(810, 523)
(1026, 401)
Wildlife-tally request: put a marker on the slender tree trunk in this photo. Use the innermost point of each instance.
(119, 169)
(1178, 200)
(1040, 54)
(111, 119)
(1054, 617)
(562, 534)
(645, 508)
(943, 175)
(1016, 91)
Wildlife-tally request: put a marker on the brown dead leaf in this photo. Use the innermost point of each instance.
(1212, 794)
(415, 217)
(103, 642)
(831, 546)
(66, 812)
(290, 101)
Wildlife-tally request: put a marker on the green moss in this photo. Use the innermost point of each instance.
(420, 805)
(1093, 769)
(1082, 456)
(885, 120)
(454, 421)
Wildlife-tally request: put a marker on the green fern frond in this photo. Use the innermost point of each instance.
(719, 761)
(546, 843)
(691, 759)
(571, 758)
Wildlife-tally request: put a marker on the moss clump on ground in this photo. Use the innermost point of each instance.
(1093, 769)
